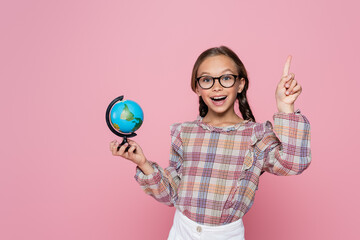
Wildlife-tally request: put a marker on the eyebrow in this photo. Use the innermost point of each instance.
(228, 69)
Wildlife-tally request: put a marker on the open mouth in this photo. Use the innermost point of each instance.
(218, 98)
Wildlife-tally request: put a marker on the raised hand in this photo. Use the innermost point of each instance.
(287, 90)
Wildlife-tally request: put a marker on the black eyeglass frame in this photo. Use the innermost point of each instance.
(218, 78)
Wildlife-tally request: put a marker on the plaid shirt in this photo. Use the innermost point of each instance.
(214, 171)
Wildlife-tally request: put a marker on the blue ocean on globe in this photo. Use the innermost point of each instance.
(126, 116)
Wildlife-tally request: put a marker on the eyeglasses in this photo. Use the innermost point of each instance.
(226, 80)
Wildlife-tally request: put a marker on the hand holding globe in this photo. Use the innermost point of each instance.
(123, 119)
(134, 152)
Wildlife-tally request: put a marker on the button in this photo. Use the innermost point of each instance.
(198, 229)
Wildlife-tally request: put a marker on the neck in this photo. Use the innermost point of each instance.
(222, 119)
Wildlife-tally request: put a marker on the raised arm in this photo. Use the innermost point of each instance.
(286, 148)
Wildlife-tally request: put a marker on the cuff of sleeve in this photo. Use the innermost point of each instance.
(297, 111)
(150, 179)
(280, 117)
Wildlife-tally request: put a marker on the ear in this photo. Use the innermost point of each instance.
(197, 91)
(242, 85)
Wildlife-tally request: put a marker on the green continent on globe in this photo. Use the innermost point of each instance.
(126, 114)
(137, 124)
(116, 126)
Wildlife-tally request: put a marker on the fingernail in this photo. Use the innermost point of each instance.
(287, 92)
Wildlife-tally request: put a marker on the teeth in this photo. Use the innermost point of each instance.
(217, 98)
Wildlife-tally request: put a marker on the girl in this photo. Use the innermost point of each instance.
(216, 160)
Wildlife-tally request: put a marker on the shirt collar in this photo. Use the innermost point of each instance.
(208, 127)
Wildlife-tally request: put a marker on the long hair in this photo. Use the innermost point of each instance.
(241, 97)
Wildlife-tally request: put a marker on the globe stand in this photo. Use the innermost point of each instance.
(125, 141)
(107, 118)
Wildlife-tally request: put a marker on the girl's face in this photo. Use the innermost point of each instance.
(220, 100)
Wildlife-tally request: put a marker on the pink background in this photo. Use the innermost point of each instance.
(62, 62)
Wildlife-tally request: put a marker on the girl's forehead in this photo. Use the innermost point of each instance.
(217, 65)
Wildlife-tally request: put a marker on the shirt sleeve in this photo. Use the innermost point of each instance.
(286, 147)
(163, 184)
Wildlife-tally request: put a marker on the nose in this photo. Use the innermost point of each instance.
(217, 86)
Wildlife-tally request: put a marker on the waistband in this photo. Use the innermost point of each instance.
(227, 227)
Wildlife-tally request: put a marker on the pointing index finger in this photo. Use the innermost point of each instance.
(287, 66)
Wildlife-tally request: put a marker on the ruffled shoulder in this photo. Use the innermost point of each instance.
(259, 130)
(175, 133)
(175, 129)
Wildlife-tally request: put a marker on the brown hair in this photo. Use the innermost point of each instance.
(241, 97)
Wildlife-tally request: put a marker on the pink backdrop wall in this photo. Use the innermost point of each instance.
(62, 62)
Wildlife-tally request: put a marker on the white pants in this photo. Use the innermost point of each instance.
(184, 228)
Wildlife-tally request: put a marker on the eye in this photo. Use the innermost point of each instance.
(227, 77)
(205, 79)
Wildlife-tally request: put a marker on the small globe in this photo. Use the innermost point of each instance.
(126, 116)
